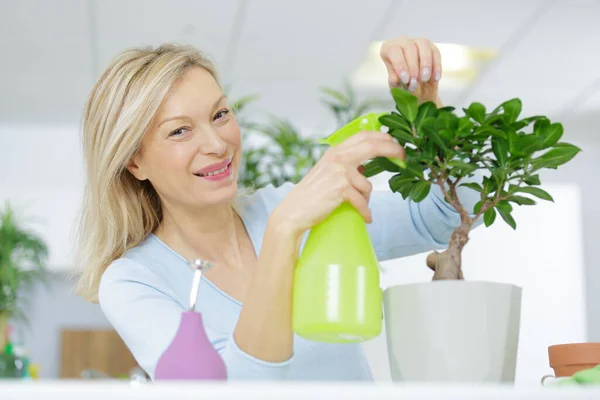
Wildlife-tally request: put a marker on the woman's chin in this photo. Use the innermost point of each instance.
(221, 193)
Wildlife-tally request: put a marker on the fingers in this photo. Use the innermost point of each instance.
(361, 183)
(425, 58)
(365, 146)
(393, 58)
(413, 61)
(411, 56)
(359, 202)
(437, 64)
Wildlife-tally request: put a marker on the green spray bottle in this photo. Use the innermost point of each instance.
(337, 293)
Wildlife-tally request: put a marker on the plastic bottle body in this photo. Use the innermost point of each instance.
(337, 294)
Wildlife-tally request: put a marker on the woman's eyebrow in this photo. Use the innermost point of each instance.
(215, 104)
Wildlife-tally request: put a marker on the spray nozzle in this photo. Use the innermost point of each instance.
(367, 122)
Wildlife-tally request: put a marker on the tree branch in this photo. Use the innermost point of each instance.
(457, 204)
(441, 179)
(487, 206)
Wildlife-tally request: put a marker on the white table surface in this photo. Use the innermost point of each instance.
(96, 390)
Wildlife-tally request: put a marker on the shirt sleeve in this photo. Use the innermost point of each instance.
(402, 228)
(146, 316)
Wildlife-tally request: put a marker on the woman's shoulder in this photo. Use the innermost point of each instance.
(148, 263)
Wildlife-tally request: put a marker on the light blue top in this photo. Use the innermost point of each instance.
(143, 293)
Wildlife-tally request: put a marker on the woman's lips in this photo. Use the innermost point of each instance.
(217, 174)
(213, 167)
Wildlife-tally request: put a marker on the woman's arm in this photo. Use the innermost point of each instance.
(264, 328)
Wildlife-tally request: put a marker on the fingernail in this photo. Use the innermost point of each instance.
(438, 76)
(413, 85)
(404, 77)
(425, 74)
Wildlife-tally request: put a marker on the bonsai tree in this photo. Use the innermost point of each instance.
(22, 264)
(446, 149)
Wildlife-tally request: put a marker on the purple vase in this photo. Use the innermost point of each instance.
(190, 355)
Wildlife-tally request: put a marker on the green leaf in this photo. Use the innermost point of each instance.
(500, 149)
(420, 191)
(472, 185)
(436, 138)
(504, 206)
(476, 111)
(522, 201)
(560, 154)
(508, 218)
(426, 110)
(477, 207)
(399, 180)
(335, 94)
(523, 145)
(414, 169)
(489, 216)
(532, 180)
(512, 109)
(387, 165)
(499, 174)
(465, 126)
(537, 192)
(465, 167)
(402, 136)
(447, 121)
(550, 133)
(373, 168)
(485, 131)
(529, 120)
(406, 103)
(395, 121)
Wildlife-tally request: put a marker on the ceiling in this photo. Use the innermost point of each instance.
(284, 50)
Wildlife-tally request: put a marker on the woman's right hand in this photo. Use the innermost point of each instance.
(336, 178)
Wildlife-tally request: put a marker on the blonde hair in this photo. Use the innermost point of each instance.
(119, 211)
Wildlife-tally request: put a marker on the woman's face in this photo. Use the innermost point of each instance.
(192, 151)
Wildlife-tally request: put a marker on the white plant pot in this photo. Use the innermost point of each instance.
(455, 331)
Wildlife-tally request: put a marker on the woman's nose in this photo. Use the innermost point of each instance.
(212, 143)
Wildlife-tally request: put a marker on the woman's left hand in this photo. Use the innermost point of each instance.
(417, 63)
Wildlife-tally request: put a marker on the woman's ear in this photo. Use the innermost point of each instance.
(135, 169)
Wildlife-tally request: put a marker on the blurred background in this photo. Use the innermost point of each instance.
(299, 69)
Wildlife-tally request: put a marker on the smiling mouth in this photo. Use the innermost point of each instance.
(217, 174)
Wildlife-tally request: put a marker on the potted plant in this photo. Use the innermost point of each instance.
(22, 264)
(450, 329)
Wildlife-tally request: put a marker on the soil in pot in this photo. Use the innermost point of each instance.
(567, 359)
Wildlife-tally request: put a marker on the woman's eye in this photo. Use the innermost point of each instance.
(221, 114)
(178, 132)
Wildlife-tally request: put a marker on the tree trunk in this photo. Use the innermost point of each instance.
(3, 324)
(447, 264)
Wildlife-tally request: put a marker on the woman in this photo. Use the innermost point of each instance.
(162, 151)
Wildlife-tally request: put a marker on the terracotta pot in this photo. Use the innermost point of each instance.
(567, 359)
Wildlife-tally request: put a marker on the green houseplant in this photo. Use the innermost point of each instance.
(23, 255)
(498, 154)
(451, 148)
